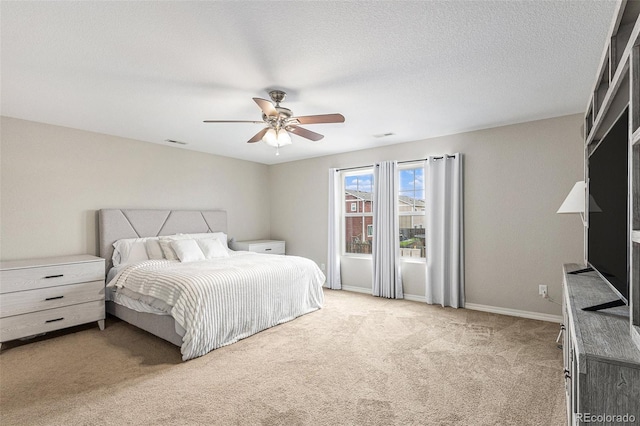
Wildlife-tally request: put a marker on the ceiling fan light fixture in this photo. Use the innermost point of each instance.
(276, 138)
(280, 121)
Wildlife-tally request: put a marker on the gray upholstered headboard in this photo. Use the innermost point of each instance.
(115, 224)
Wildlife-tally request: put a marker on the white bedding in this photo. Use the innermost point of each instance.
(220, 301)
(137, 302)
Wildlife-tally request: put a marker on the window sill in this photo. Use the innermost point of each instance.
(413, 260)
(402, 259)
(357, 256)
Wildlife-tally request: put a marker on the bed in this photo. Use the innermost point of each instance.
(200, 304)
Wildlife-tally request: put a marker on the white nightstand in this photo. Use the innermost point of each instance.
(41, 295)
(260, 246)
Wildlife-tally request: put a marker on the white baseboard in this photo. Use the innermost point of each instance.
(415, 298)
(476, 307)
(357, 289)
(514, 312)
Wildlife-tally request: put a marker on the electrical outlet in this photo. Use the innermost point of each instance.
(542, 291)
(322, 267)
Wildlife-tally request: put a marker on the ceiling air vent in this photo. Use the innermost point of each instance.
(175, 142)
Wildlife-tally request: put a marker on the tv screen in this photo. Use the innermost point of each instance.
(608, 197)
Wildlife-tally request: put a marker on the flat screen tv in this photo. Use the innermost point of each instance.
(608, 231)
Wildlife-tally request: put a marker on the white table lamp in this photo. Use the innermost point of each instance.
(574, 203)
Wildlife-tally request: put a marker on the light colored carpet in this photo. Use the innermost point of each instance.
(359, 361)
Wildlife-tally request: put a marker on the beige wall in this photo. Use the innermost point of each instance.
(54, 179)
(515, 178)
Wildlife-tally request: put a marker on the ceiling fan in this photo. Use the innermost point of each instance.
(280, 121)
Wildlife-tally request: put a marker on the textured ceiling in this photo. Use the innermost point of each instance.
(154, 70)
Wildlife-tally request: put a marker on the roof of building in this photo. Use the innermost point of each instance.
(368, 196)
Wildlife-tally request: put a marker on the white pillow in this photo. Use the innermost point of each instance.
(129, 250)
(170, 254)
(209, 235)
(187, 250)
(212, 248)
(154, 251)
(165, 245)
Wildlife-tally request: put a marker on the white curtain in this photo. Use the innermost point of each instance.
(333, 255)
(445, 248)
(387, 280)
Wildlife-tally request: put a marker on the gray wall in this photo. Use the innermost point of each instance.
(515, 178)
(54, 179)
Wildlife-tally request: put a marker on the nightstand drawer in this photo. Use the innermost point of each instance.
(260, 246)
(24, 325)
(23, 302)
(50, 276)
(269, 248)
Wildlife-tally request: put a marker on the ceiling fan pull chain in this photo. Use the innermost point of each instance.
(277, 150)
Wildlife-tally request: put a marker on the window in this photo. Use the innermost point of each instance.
(358, 212)
(411, 207)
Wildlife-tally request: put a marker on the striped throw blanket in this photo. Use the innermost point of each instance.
(221, 301)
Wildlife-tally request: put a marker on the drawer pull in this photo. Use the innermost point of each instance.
(54, 298)
(54, 276)
(54, 320)
(267, 249)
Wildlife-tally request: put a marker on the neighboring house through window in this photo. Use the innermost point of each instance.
(411, 208)
(358, 211)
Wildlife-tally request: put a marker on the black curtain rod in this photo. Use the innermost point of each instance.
(399, 162)
(412, 161)
(353, 168)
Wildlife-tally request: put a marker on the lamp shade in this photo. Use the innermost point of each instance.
(276, 138)
(574, 203)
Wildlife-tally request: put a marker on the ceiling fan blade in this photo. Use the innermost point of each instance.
(307, 134)
(318, 119)
(258, 136)
(232, 121)
(267, 107)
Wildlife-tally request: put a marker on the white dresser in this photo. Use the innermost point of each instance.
(41, 295)
(260, 246)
